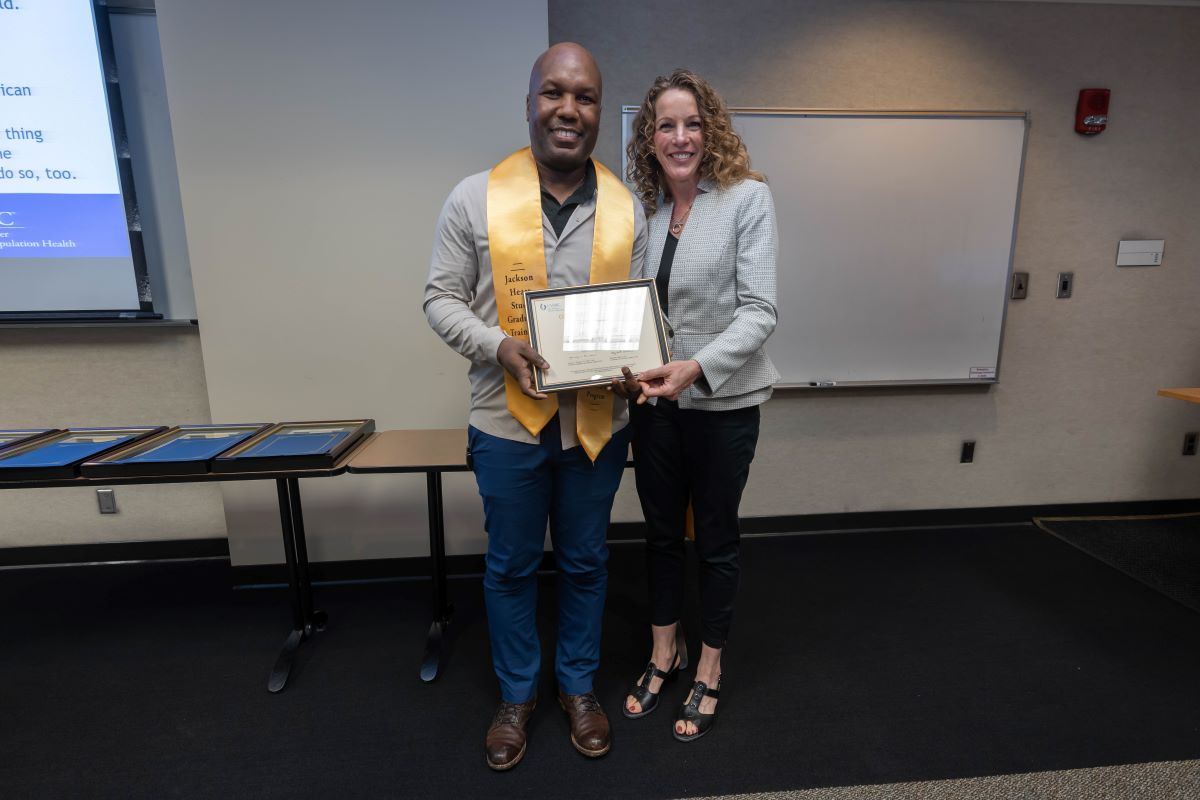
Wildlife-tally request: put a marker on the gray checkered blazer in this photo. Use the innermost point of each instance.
(722, 292)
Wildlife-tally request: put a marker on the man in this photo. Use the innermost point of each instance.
(545, 216)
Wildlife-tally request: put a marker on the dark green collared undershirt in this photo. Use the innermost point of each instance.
(560, 214)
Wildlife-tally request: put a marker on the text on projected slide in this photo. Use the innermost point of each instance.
(60, 194)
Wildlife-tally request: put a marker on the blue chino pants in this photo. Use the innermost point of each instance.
(523, 487)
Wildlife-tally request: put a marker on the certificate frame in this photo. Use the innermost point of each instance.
(116, 464)
(13, 437)
(597, 366)
(250, 457)
(59, 469)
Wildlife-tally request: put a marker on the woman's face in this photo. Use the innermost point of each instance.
(678, 136)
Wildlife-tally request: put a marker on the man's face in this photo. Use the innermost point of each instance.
(563, 110)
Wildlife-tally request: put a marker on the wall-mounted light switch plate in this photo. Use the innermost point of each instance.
(1066, 282)
(108, 501)
(1020, 285)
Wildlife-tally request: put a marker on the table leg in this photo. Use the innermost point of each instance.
(435, 643)
(315, 619)
(299, 587)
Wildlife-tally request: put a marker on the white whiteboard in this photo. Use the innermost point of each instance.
(895, 241)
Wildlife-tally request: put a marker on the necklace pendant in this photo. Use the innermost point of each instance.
(676, 227)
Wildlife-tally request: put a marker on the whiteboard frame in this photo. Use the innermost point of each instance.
(627, 111)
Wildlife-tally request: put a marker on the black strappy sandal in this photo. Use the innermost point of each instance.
(647, 699)
(690, 712)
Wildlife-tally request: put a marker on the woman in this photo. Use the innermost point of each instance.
(712, 254)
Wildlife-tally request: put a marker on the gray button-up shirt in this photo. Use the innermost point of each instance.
(460, 301)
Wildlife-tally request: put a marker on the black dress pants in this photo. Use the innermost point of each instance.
(683, 454)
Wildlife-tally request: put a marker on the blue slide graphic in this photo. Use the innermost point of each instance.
(63, 226)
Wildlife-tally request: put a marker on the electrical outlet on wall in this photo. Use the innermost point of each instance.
(1020, 285)
(967, 454)
(1189, 444)
(107, 499)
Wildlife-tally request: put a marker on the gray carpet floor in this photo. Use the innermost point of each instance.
(1164, 780)
(1162, 552)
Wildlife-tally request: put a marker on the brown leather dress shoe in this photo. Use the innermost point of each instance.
(505, 742)
(589, 724)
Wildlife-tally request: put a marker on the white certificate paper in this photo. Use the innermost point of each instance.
(604, 320)
(588, 333)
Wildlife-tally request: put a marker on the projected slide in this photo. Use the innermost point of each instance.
(64, 243)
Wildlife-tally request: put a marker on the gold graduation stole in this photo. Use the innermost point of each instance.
(514, 212)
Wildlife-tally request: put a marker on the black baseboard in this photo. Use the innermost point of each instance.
(419, 567)
(934, 518)
(416, 567)
(102, 552)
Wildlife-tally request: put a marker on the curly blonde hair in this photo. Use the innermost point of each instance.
(725, 159)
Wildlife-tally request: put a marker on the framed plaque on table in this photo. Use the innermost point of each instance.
(14, 437)
(295, 446)
(183, 450)
(588, 333)
(59, 455)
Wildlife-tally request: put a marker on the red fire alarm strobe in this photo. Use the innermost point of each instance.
(1091, 113)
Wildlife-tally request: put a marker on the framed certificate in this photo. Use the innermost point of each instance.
(59, 455)
(183, 450)
(587, 333)
(12, 438)
(295, 446)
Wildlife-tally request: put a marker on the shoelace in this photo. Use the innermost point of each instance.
(586, 702)
(508, 714)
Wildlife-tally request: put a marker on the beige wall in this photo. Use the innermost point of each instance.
(88, 376)
(1074, 418)
(315, 145)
